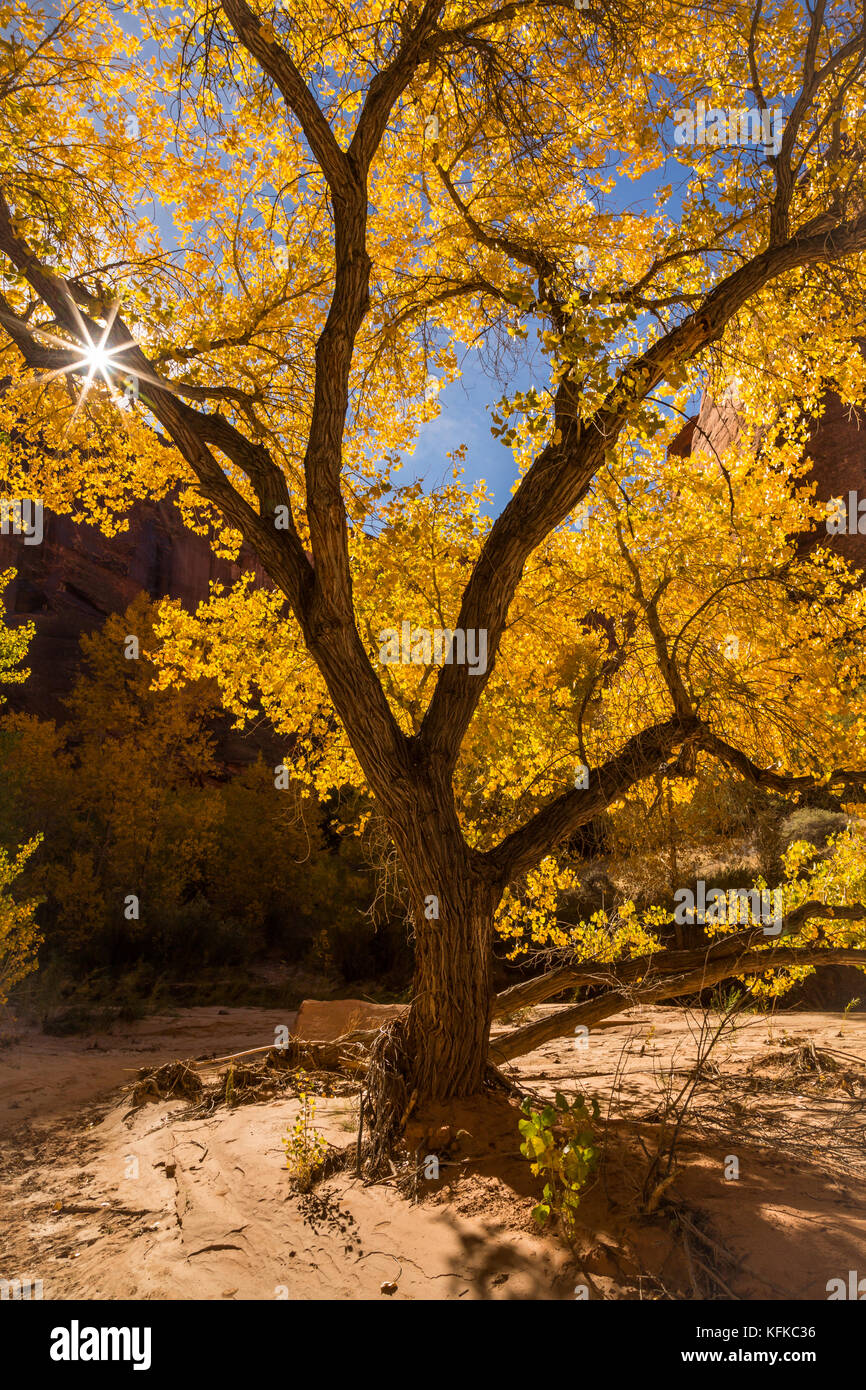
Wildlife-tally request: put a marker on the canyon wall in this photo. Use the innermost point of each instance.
(69, 584)
(837, 447)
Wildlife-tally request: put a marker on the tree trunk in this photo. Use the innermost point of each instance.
(449, 1019)
(438, 1051)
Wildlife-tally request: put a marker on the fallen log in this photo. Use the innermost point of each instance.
(667, 986)
(623, 973)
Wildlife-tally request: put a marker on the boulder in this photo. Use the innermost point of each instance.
(324, 1020)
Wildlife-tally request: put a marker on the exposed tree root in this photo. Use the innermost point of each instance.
(495, 1080)
(172, 1081)
(386, 1102)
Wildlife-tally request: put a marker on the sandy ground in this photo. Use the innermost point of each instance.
(101, 1200)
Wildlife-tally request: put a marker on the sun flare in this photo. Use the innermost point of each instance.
(97, 359)
(97, 362)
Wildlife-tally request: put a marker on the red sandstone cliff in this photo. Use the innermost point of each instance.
(68, 585)
(837, 446)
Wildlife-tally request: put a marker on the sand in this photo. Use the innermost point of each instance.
(103, 1202)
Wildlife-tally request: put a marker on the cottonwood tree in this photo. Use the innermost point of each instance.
(238, 242)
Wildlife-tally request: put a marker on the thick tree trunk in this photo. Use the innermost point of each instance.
(449, 1019)
(438, 1050)
(452, 896)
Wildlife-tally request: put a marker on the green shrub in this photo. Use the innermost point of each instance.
(560, 1143)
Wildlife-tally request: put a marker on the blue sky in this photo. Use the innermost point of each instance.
(464, 418)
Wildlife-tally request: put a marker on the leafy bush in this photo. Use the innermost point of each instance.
(560, 1142)
(129, 798)
(305, 1147)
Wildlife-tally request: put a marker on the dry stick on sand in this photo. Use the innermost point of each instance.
(329, 1051)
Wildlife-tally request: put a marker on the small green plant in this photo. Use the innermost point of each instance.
(560, 1143)
(305, 1147)
(724, 999)
(852, 1004)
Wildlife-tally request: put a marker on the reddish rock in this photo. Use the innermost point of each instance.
(837, 446)
(325, 1020)
(76, 577)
